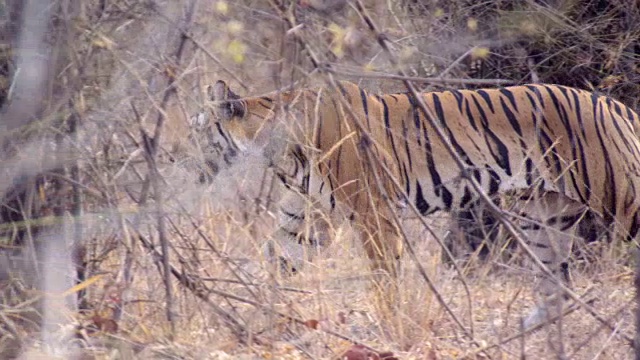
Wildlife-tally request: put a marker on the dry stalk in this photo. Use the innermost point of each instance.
(150, 145)
(195, 284)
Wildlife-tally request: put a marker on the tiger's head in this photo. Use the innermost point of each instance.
(247, 120)
(269, 123)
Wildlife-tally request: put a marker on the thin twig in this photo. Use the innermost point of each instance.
(202, 292)
(432, 80)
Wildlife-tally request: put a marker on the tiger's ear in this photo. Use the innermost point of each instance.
(218, 91)
(226, 104)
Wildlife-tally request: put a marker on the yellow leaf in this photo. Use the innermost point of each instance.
(102, 42)
(222, 7)
(480, 53)
(438, 13)
(369, 67)
(237, 50)
(83, 285)
(338, 50)
(472, 24)
(145, 330)
(234, 26)
(336, 30)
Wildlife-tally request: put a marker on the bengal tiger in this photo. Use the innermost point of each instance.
(559, 151)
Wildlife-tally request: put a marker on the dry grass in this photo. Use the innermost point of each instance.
(220, 298)
(334, 296)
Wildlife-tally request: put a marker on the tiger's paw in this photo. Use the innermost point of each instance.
(539, 316)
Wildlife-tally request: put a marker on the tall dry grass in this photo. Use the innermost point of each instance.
(100, 181)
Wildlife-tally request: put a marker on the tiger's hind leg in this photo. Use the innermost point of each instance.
(550, 228)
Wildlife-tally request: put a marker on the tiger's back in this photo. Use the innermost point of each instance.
(554, 138)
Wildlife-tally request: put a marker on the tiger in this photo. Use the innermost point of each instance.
(560, 152)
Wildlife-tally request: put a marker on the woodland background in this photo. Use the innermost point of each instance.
(122, 237)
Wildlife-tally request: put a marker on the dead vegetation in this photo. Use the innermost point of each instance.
(122, 237)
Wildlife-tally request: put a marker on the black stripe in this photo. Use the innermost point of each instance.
(546, 142)
(618, 108)
(332, 199)
(338, 162)
(631, 115)
(585, 171)
(224, 135)
(466, 198)
(609, 176)
(459, 99)
(437, 104)
(344, 92)
(469, 115)
(563, 91)
(562, 114)
(513, 120)
(509, 95)
(438, 187)
(266, 106)
(406, 179)
(536, 90)
(531, 226)
(416, 116)
(283, 180)
(497, 148)
(494, 181)
(569, 220)
(421, 203)
(620, 131)
(389, 132)
(319, 121)
(487, 99)
(365, 107)
(292, 215)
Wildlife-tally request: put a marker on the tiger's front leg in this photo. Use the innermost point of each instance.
(550, 234)
(382, 243)
(304, 230)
